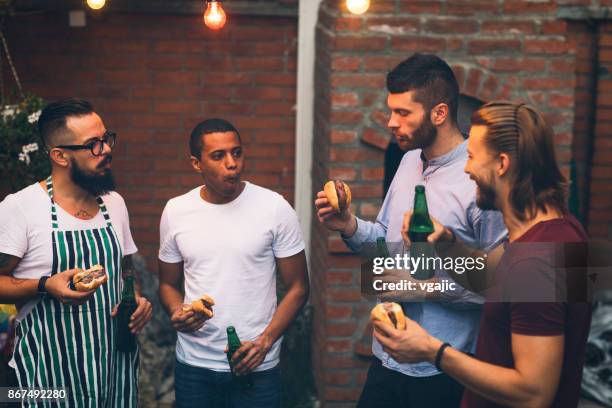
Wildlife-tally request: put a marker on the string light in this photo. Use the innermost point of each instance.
(214, 16)
(96, 4)
(357, 6)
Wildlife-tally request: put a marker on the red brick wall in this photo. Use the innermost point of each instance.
(600, 212)
(586, 50)
(152, 78)
(509, 49)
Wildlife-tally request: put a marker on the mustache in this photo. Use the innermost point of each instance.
(106, 161)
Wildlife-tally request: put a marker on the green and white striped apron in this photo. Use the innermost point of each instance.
(62, 345)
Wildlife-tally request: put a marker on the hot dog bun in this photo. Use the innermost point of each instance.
(390, 313)
(203, 306)
(89, 279)
(338, 194)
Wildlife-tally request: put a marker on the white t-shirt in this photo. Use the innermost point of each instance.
(25, 230)
(229, 253)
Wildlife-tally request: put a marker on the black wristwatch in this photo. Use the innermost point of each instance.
(439, 355)
(42, 290)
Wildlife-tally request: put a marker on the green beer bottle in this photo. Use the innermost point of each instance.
(126, 340)
(381, 248)
(244, 382)
(418, 231)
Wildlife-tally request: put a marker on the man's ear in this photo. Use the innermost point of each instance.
(503, 167)
(58, 157)
(195, 163)
(439, 114)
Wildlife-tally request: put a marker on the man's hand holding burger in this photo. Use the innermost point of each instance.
(411, 345)
(402, 338)
(188, 318)
(58, 286)
(186, 322)
(333, 208)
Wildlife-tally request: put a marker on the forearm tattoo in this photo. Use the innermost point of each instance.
(6, 268)
(17, 282)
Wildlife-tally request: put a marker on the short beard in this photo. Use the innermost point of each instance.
(94, 184)
(424, 135)
(486, 197)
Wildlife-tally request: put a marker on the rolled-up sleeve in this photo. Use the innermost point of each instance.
(367, 231)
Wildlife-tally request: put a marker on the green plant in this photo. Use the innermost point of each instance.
(23, 160)
(6, 7)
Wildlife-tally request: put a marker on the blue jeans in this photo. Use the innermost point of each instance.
(202, 388)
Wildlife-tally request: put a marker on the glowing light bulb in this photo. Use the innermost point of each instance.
(357, 6)
(214, 16)
(96, 4)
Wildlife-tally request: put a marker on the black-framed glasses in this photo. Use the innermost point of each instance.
(96, 146)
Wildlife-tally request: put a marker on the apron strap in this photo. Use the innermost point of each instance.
(49, 183)
(54, 223)
(103, 210)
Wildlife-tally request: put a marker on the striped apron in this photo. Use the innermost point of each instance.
(62, 345)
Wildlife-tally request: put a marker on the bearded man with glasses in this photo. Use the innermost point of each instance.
(48, 232)
(94, 182)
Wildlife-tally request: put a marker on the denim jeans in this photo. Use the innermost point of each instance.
(202, 388)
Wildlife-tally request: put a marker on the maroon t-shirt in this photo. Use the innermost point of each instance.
(501, 319)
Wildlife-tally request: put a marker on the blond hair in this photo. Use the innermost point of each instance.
(520, 131)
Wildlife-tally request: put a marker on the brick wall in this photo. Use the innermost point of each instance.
(152, 78)
(508, 49)
(600, 211)
(584, 99)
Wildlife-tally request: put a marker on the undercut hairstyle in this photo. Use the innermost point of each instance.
(213, 125)
(431, 79)
(52, 120)
(521, 132)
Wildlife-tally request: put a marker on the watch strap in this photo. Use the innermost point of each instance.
(439, 355)
(42, 290)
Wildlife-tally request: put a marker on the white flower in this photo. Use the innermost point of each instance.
(34, 117)
(29, 148)
(8, 111)
(24, 156)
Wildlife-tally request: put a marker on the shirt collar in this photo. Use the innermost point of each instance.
(456, 154)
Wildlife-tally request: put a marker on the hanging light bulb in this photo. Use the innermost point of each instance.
(214, 16)
(96, 4)
(357, 6)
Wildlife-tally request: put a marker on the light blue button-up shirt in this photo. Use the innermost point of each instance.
(451, 199)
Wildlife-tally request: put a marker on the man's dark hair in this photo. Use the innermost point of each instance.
(52, 120)
(214, 125)
(431, 79)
